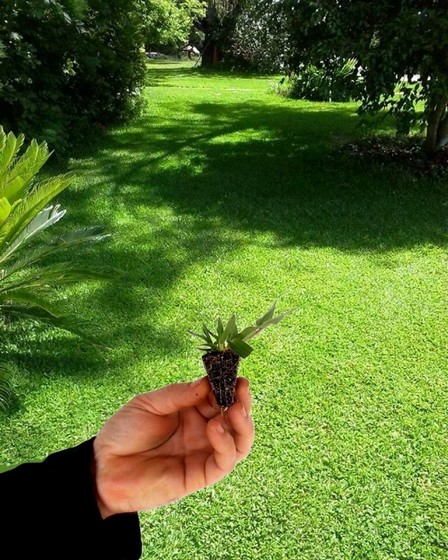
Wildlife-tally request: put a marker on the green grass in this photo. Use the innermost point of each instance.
(223, 197)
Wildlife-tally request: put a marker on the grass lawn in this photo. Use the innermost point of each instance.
(223, 197)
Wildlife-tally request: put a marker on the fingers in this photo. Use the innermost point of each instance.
(231, 436)
(223, 459)
(175, 397)
(209, 407)
(240, 420)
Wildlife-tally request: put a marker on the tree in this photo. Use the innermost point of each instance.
(168, 24)
(401, 47)
(68, 66)
(215, 26)
(257, 39)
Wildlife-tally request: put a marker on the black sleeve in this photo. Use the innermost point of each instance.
(49, 511)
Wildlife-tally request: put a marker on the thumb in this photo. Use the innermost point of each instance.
(172, 398)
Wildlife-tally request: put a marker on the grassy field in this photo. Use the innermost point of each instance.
(223, 197)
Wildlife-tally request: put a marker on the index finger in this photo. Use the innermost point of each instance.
(173, 398)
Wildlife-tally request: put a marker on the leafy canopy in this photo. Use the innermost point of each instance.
(401, 48)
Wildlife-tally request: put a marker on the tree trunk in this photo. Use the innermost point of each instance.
(442, 134)
(437, 129)
(210, 55)
(209, 25)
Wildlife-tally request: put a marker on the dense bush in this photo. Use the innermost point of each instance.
(336, 80)
(67, 66)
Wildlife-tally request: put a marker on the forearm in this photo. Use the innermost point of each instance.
(53, 507)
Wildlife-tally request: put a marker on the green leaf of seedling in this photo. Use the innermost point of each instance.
(240, 347)
(219, 327)
(276, 319)
(248, 333)
(268, 315)
(202, 337)
(231, 330)
(208, 334)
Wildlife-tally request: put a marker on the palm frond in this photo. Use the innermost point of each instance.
(17, 175)
(46, 218)
(52, 275)
(92, 234)
(28, 208)
(9, 148)
(6, 392)
(27, 298)
(67, 322)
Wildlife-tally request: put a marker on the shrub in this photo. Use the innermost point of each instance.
(336, 80)
(68, 66)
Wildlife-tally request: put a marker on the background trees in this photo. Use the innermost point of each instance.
(401, 48)
(170, 24)
(68, 66)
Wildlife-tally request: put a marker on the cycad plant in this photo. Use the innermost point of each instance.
(27, 282)
(224, 348)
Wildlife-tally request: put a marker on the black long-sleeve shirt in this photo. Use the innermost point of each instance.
(49, 511)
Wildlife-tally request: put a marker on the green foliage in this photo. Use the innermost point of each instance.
(6, 392)
(254, 37)
(230, 336)
(401, 49)
(168, 24)
(26, 209)
(334, 80)
(68, 67)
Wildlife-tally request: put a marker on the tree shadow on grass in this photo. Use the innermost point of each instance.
(259, 168)
(248, 168)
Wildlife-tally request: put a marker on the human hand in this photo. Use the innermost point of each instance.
(169, 443)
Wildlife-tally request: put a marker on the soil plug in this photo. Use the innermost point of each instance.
(224, 349)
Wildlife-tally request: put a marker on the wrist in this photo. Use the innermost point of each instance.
(103, 508)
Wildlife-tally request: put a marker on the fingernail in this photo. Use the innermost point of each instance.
(220, 428)
(243, 411)
(197, 382)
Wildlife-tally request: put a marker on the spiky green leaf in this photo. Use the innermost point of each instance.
(268, 315)
(276, 319)
(237, 341)
(248, 333)
(201, 336)
(5, 210)
(33, 256)
(10, 147)
(231, 330)
(17, 178)
(219, 328)
(67, 322)
(240, 347)
(24, 212)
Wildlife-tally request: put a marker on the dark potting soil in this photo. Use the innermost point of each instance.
(222, 369)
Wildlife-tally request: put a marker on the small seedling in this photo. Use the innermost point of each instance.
(224, 349)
